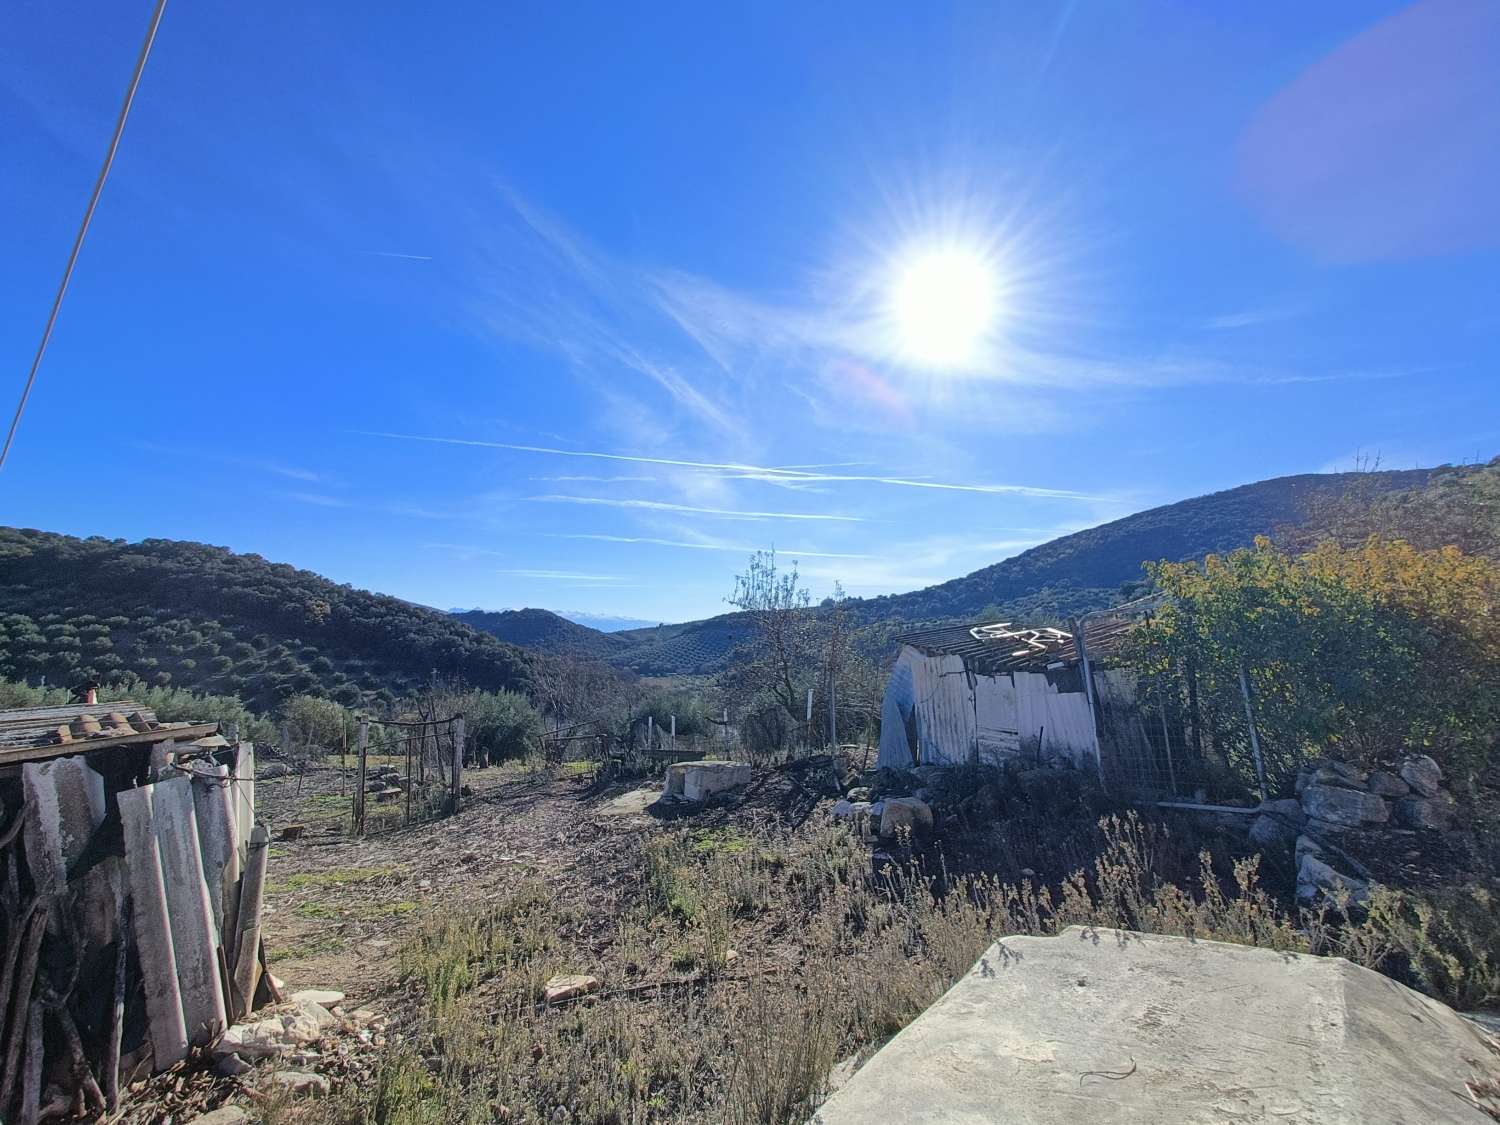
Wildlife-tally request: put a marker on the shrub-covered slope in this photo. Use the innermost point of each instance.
(207, 618)
(543, 630)
(1086, 569)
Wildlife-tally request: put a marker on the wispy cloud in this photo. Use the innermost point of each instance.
(729, 548)
(688, 509)
(756, 472)
(1252, 318)
(395, 508)
(589, 479)
(318, 499)
(563, 576)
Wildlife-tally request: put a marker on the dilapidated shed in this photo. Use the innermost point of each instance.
(131, 881)
(992, 691)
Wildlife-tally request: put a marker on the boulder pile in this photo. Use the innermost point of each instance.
(1335, 797)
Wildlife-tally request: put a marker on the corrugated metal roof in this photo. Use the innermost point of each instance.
(994, 647)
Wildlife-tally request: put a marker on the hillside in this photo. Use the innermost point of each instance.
(1085, 570)
(207, 618)
(543, 630)
(1072, 574)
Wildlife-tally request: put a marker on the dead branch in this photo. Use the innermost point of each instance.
(16, 941)
(117, 1012)
(31, 1078)
(25, 979)
(85, 1074)
(9, 835)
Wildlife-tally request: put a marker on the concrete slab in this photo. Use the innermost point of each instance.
(634, 803)
(1105, 1025)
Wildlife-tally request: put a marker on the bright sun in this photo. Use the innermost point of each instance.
(944, 305)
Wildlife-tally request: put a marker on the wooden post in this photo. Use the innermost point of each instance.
(458, 760)
(1089, 694)
(359, 789)
(252, 900)
(1260, 765)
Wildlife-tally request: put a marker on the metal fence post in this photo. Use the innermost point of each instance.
(458, 759)
(359, 789)
(1260, 765)
(1090, 695)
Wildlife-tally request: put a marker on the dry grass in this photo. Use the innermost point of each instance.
(739, 969)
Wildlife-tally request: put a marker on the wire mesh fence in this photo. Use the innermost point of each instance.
(417, 778)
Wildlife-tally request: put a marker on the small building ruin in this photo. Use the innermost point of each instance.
(992, 692)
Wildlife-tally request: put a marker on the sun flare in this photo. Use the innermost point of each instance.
(943, 304)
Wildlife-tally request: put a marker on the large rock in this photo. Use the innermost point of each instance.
(1316, 877)
(905, 812)
(1104, 1025)
(303, 1082)
(1426, 812)
(1288, 809)
(851, 810)
(1344, 808)
(561, 988)
(1386, 784)
(698, 781)
(323, 997)
(1422, 774)
(1271, 833)
(1330, 771)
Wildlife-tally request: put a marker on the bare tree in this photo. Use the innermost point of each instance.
(781, 660)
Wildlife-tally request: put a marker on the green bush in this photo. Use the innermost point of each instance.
(1365, 652)
(499, 725)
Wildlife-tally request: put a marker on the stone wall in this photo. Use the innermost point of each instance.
(1334, 799)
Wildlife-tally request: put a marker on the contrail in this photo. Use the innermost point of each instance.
(723, 513)
(787, 474)
(393, 254)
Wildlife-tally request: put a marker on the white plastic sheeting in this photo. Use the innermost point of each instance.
(959, 716)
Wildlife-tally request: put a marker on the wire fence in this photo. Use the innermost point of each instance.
(418, 778)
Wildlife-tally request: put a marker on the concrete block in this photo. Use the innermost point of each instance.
(698, 781)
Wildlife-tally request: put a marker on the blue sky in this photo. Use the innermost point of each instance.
(575, 305)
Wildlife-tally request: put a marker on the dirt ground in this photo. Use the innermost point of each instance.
(337, 906)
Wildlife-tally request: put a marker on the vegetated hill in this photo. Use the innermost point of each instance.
(207, 618)
(543, 630)
(1069, 575)
(692, 648)
(1085, 570)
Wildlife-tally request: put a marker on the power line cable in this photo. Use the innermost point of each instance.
(83, 229)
